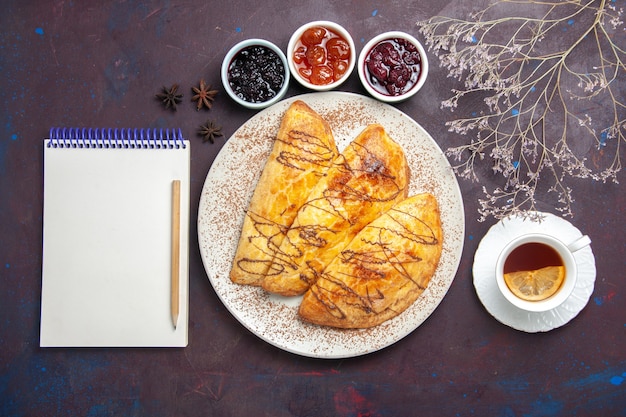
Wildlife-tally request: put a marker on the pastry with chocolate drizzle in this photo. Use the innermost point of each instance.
(303, 151)
(382, 271)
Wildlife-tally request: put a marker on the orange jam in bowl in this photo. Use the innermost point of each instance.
(321, 55)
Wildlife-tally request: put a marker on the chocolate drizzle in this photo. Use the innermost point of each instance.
(266, 240)
(308, 150)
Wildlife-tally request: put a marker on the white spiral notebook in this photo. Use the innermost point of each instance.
(115, 269)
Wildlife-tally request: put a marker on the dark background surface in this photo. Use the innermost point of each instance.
(70, 63)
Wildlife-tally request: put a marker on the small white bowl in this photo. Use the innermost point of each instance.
(364, 72)
(228, 59)
(339, 30)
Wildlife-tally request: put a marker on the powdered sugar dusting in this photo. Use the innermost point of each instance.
(229, 186)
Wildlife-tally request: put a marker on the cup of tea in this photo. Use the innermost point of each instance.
(537, 272)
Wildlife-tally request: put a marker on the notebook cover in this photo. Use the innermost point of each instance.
(106, 275)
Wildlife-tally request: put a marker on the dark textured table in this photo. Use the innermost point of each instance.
(67, 63)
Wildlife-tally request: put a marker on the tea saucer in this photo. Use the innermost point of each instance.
(493, 300)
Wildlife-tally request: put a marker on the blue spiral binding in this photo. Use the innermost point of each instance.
(127, 138)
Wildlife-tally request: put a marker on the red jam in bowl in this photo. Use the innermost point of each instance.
(393, 66)
(321, 55)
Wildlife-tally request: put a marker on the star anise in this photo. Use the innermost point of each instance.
(170, 97)
(203, 95)
(209, 131)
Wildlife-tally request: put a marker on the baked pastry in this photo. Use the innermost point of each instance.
(303, 151)
(367, 179)
(382, 271)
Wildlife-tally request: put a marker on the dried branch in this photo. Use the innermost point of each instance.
(553, 80)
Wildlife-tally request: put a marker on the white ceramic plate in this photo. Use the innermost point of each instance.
(485, 278)
(230, 184)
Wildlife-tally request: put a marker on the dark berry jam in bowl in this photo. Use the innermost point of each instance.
(321, 55)
(393, 66)
(255, 73)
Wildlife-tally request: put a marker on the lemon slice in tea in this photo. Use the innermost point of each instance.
(535, 285)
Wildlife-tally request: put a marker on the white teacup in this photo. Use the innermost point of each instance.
(564, 251)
